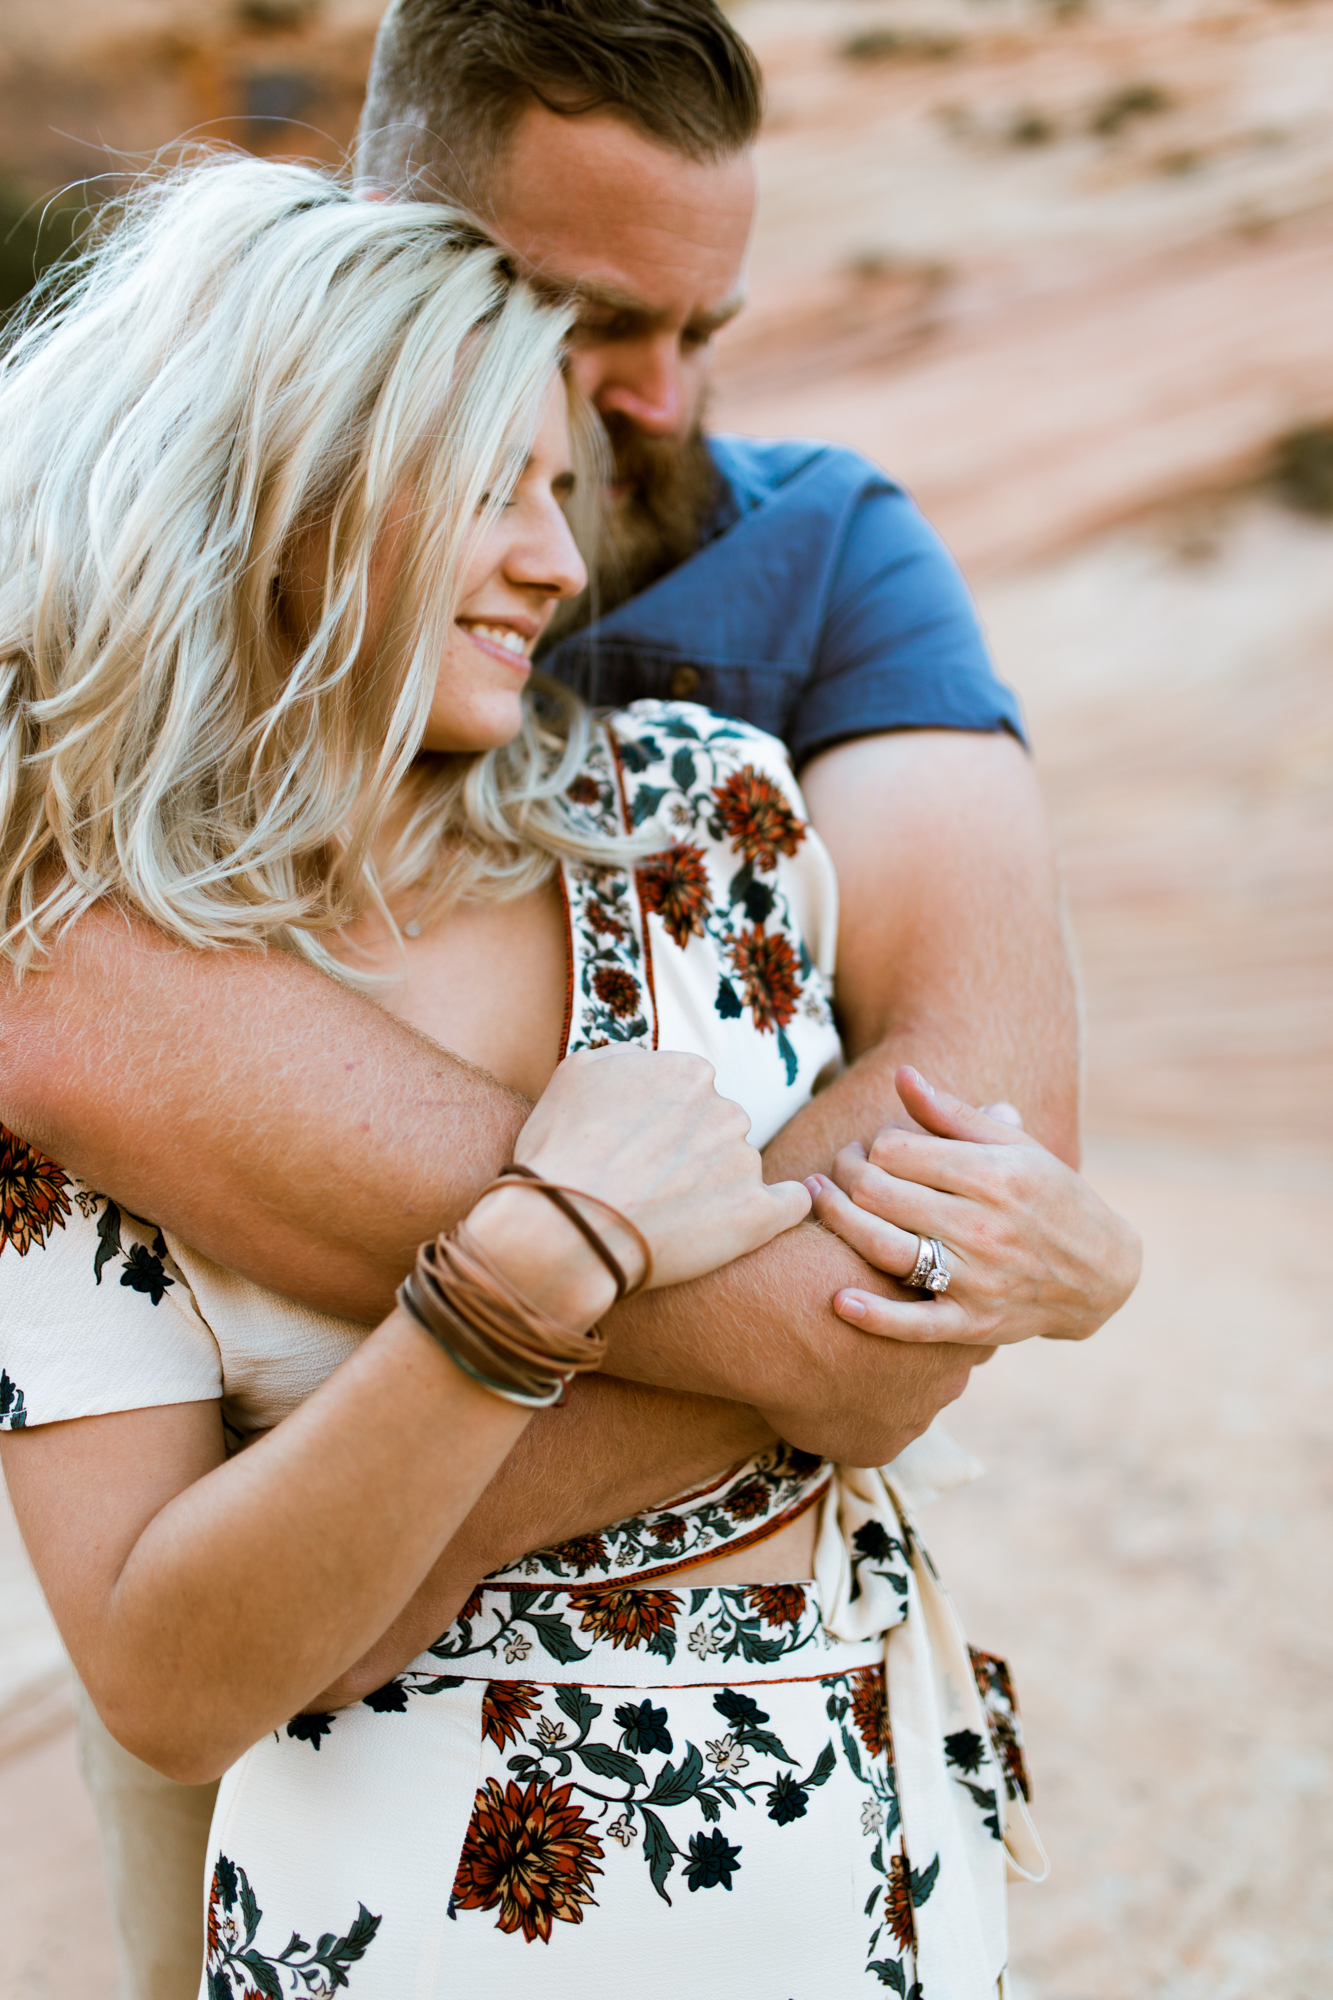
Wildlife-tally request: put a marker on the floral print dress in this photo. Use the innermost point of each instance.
(604, 1777)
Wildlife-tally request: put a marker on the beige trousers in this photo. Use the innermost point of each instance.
(155, 1842)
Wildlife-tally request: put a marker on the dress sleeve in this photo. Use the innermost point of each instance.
(94, 1315)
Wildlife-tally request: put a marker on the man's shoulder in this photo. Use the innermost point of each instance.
(760, 470)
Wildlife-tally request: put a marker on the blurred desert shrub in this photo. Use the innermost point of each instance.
(1304, 469)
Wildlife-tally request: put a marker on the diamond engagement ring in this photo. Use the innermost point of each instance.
(937, 1277)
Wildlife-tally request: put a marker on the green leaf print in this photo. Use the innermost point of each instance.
(659, 1850)
(581, 1710)
(555, 1638)
(265, 1979)
(824, 1766)
(108, 1239)
(231, 1955)
(609, 1763)
(923, 1881)
(646, 801)
(683, 770)
(765, 1742)
(672, 1787)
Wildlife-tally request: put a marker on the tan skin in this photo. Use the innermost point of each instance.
(279, 1102)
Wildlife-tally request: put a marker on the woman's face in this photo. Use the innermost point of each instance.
(519, 567)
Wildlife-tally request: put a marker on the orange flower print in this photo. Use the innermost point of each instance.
(869, 1711)
(778, 1603)
(674, 887)
(616, 989)
(669, 1529)
(748, 1502)
(770, 977)
(757, 818)
(505, 1707)
(603, 922)
(585, 791)
(627, 1618)
(582, 1553)
(996, 1687)
(529, 1853)
(212, 1929)
(33, 1197)
(898, 1904)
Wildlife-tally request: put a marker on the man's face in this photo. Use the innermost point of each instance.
(653, 244)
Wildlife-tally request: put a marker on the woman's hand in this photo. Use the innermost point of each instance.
(1030, 1248)
(648, 1133)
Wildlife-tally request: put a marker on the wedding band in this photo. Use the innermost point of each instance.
(925, 1263)
(937, 1277)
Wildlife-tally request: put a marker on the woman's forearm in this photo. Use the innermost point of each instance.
(205, 1602)
(265, 1579)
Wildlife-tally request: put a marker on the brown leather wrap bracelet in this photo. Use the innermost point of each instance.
(489, 1328)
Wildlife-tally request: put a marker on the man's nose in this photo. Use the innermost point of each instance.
(643, 384)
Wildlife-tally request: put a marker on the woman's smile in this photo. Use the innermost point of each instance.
(506, 641)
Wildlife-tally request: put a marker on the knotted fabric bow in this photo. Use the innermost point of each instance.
(875, 1574)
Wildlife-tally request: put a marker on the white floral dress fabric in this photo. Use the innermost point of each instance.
(601, 1778)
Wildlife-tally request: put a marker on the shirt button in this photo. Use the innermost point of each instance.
(684, 682)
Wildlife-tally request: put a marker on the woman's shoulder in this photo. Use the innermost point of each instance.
(94, 1314)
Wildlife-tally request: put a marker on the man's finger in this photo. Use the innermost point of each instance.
(894, 1319)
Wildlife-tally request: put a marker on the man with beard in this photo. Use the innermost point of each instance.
(294, 1132)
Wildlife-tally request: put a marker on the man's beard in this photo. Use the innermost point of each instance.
(665, 490)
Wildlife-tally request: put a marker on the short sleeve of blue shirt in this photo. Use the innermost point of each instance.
(821, 606)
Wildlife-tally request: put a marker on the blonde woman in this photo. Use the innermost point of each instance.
(288, 491)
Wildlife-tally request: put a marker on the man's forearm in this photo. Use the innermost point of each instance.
(286, 1127)
(614, 1449)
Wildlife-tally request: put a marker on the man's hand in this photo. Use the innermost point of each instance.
(763, 1331)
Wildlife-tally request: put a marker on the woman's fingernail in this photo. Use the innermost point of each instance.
(849, 1306)
(929, 1088)
(814, 1187)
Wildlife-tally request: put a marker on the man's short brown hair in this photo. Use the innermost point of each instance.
(450, 79)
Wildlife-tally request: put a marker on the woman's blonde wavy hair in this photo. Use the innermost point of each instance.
(248, 353)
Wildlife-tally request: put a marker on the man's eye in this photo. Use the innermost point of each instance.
(595, 331)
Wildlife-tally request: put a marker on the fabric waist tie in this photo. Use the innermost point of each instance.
(876, 1575)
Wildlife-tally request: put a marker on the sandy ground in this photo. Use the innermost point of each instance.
(1152, 1549)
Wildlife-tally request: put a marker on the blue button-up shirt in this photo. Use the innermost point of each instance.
(820, 606)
